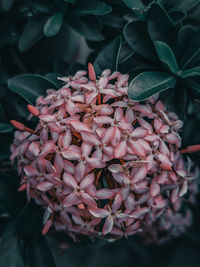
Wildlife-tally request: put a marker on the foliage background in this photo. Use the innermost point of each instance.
(41, 39)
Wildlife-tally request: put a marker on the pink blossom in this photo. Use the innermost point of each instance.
(102, 164)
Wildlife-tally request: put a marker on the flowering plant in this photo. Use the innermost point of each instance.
(93, 153)
(101, 163)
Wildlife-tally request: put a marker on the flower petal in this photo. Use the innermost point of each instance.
(69, 180)
(44, 186)
(87, 181)
(104, 193)
(99, 213)
(108, 226)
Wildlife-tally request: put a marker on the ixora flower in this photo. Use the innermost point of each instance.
(102, 164)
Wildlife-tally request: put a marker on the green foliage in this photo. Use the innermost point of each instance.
(107, 58)
(30, 86)
(166, 56)
(53, 25)
(150, 83)
(11, 250)
(155, 41)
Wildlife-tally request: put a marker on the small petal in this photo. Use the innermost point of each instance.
(117, 202)
(139, 212)
(140, 174)
(99, 213)
(87, 181)
(120, 149)
(79, 126)
(104, 193)
(96, 163)
(69, 180)
(45, 186)
(88, 200)
(154, 187)
(70, 200)
(108, 226)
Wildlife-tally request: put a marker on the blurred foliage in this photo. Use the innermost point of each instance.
(156, 42)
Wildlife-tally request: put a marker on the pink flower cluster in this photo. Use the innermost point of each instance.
(102, 164)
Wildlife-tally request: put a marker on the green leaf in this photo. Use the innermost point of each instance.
(134, 4)
(108, 57)
(30, 219)
(39, 253)
(166, 55)
(194, 85)
(191, 72)
(150, 83)
(177, 16)
(191, 55)
(185, 35)
(160, 25)
(32, 33)
(9, 197)
(11, 251)
(70, 1)
(44, 6)
(136, 35)
(112, 20)
(194, 12)
(89, 27)
(30, 86)
(53, 25)
(90, 7)
(6, 140)
(185, 5)
(6, 4)
(53, 77)
(192, 60)
(5, 128)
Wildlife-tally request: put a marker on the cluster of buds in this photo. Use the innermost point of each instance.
(102, 164)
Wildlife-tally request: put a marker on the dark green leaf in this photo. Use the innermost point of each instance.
(5, 142)
(90, 7)
(194, 85)
(194, 12)
(89, 27)
(150, 83)
(6, 4)
(166, 55)
(39, 253)
(9, 198)
(185, 34)
(73, 68)
(160, 26)
(30, 86)
(192, 60)
(191, 72)
(11, 251)
(62, 5)
(70, 1)
(136, 35)
(44, 6)
(112, 20)
(107, 58)
(191, 55)
(53, 24)
(134, 4)
(185, 5)
(177, 16)
(125, 53)
(30, 219)
(5, 128)
(32, 33)
(53, 77)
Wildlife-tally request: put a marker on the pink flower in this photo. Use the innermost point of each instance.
(102, 164)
